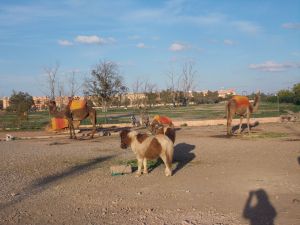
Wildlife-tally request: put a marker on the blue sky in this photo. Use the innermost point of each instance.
(245, 45)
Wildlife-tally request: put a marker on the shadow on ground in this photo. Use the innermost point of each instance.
(244, 126)
(234, 129)
(262, 212)
(41, 184)
(183, 155)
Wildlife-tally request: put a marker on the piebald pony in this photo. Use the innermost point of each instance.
(148, 147)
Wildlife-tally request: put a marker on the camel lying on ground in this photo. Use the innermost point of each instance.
(73, 115)
(241, 106)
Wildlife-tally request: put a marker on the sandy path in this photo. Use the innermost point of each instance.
(61, 181)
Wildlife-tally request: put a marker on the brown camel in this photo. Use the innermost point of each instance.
(74, 115)
(241, 106)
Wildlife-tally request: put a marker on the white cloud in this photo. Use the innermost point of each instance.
(295, 53)
(65, 43)
(93, 39)
(270, 66)
(134, 37)
(293, 26)
(247, 27)
(177, 47)
(155, 38)
(228, 42)
(141, 45)
(89, 39)
(210, 19)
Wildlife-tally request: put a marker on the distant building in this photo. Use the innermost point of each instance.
(135, 98)
(40, 103)
(223, 93)
(5, 102)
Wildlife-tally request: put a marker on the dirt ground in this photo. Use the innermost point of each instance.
(217, 180)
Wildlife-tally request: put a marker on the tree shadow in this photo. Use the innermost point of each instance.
(41, 184)
(244, 126)
(75, 170)
(261, 213)
(183, 155)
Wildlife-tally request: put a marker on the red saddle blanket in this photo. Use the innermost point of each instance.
(162, 119)
(59, 123)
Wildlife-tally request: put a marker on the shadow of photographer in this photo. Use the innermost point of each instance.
(258, 208)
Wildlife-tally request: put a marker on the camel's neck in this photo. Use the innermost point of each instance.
(255, 105)
(54, 112)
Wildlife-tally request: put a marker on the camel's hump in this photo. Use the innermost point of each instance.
(241, 100)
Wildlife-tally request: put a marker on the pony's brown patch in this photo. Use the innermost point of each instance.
(125, 140)
(154, 149)
(141, 137)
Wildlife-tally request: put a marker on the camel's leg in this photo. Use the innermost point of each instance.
(94, 129)
(168, 170)
(145, 166)
(240, 127)
(140, 163)
(229, 120)
(72, 130)
(93, 119)
(248, 121)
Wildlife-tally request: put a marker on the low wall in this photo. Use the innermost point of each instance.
(194, 123)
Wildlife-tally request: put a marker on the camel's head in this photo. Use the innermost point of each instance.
(257, 97)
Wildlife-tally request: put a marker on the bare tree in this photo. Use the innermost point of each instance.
(137, 90)
(122, 93)
(173, 84)
(51, 80)
(188, 78)
(73, 85)
(150, 92)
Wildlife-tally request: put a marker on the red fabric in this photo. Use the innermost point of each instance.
(163, 119)
(59, 123)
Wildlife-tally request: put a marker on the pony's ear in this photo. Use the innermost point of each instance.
(258, 92)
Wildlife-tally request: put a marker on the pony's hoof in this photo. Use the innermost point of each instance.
(168, 173)
(138, 174)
